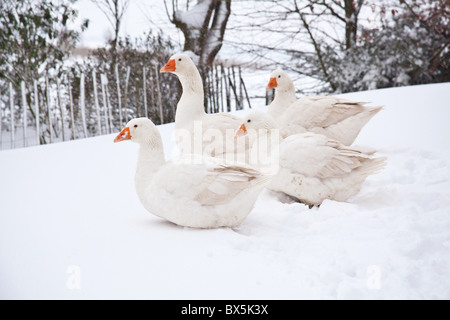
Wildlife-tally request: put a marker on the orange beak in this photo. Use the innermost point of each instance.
(241, 131)
(123, 135)
(272, 84)
(169, 67)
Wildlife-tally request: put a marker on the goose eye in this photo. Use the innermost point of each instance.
(179, 59)
(249, 120)
(279, 76)
(135, 125)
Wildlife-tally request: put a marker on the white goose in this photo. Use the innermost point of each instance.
(338, 119)
(203, 195)
(191, 119)
(312, 167)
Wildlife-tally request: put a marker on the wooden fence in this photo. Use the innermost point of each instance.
(54, 117)
(226, 90)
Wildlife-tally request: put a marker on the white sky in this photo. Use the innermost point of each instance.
(141, 16)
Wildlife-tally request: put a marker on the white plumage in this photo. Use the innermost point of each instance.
(191, 120)
(314, 168)
(337, 118)
(200, 194)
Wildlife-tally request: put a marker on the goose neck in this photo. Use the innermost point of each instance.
(285, 96)
(150, 160)
(283, 99)
(190, 107)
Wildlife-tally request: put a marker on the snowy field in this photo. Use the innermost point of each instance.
(72, 227)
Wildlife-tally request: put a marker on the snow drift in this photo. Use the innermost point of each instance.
(71, 226)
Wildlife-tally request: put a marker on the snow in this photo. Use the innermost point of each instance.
(71, 225)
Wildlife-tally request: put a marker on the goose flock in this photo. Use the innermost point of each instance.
(300, 147)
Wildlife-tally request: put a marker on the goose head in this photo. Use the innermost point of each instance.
(179, 63)
(185, 69)
(256, 121)
(141, 131)
(279, 80)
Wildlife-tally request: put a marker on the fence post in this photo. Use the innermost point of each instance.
(119, 98)
(1, 120)
(24, 106)
(222, 105)
(82, 105)
(241, 93)
(11, 105)
(104, 82)
(246, 94)
(158, 89)
(50, 127)
(212, 90)
(145, 94)
(97, 106)
(207, 84)
(36, 107)
(126, 94)
(61, 107)
(152, 95)
(227, 90)
(234, 87)
(138, 98)
(72, 118)
(216, 71)
(109, 107)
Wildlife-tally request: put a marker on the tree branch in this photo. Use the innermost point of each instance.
(316, 47)
(334, 13)
(217, 33)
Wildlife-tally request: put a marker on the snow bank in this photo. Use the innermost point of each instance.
(71, 225)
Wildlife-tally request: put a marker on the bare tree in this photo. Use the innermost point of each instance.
(347, 11)
(114, 11)
(203, 26)
(299, 35)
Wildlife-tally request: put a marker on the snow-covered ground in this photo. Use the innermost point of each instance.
(71, 225)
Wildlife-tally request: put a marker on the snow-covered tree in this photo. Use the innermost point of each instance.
(298, 33)
(35, 39)
(411, 46)
(203, 26)
(348, 45)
